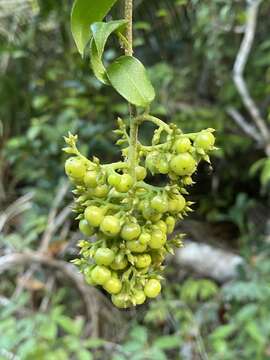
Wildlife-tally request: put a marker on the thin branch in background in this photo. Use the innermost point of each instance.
(239, 68)
(51, 226)
(92, 298)
(248, 129)
(22, 204)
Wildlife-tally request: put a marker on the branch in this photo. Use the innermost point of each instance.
(250, 130)
(92, 298)
(239, 67)
(208, 261)
(52, 219)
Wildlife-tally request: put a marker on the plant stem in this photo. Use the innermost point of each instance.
(132, 157)
(128, 17)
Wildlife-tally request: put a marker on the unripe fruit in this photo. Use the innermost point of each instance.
(152, 288)
(85, 228)
(170, 221)
(114, 179)
(113, 286)
(162, 166)
(183, 164)
(88, 276)
(76, 167)
(101, 191)
(139, 297)
(158, 239)
(126, 183)
(161, 225)
(159, 204)
(120, 300)
(110, 225)
(205, 140)
(141, 173)
(144, 238)
(143, 261)
(104, 256)
(130, 231)
(120, 263)
(177, 204)
(94, 215)
(182, 145)
(90, 179)
(100, 275)
(136, 246)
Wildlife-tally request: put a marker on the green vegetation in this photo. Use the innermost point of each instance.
(190, 49)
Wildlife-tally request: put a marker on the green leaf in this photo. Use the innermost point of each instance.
(102, 30)
(168, 342)
(129, 78)
(265, 175)
(84, 14)
(97, 65)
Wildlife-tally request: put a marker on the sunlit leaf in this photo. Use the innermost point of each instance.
(128, 76)
(84, 13)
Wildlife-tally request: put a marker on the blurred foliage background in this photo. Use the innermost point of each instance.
(46, 90)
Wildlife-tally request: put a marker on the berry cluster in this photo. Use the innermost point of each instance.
(125, 220)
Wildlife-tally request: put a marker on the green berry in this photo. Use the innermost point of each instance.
(100, 275)
(110, 225)
(104, 256)
(152, 288)
(85, 228)
(94, 215)
(183, 164)
(130, 231)
(76, 167)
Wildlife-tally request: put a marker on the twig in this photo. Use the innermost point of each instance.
(239, 67)
(92, 298)
(51, 225)
(250, 130)
(20, 205)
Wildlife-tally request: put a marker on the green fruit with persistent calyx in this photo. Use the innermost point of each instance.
(205, 140)
(141, 173)
(162, 166)
(136, 246)
(177, 204)
(183, 164)
(110, 225)
(76, 167)
(90, 179)
(125, 184)
(101, 191)
(161, 225)
(100, 274)
(121, 301)
(143, 261)
(158, 239)
(170, 221)
(104, 256)
(144, 238)
(139, 297)
(159, 204)
(85, 228)
(130, 231)
(94, 215)
(120, 263)
(88, 276)
(114, 179)
(152, 288)
(113, 286)
(182, 145)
